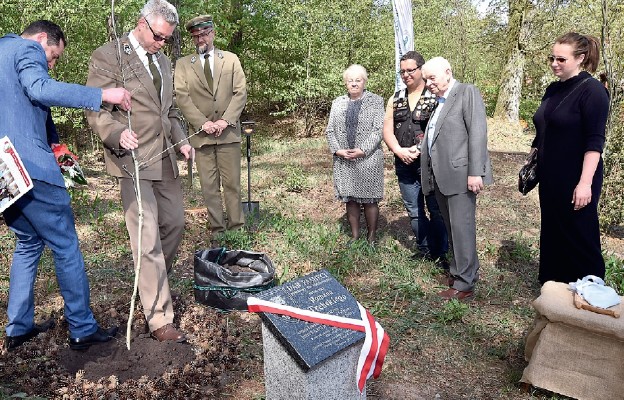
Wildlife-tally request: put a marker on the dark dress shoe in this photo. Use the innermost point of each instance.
(442, 263)
(169, 332)
(13, 342)
(452, 293)
(419, 255)
(100, 336)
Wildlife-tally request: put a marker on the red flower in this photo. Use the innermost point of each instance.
(68, 161)
(62, 150)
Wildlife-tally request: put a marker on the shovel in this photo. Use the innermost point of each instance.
(249, 207)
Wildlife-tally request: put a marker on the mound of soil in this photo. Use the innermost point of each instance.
(200, 369)
(146, 357)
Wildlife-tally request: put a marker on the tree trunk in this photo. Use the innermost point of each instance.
(610, 67)
(176, 45)
(508, 101)
(235, 17)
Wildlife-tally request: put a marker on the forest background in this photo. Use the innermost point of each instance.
(294, 51)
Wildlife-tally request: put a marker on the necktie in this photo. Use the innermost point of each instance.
(208, 71)
(155, 73)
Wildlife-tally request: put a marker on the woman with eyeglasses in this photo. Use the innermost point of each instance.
(354, 136)
(570, 136)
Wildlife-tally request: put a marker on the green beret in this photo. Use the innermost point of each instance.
(199, 23)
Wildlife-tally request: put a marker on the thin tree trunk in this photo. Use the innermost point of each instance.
(236, 15)
(508, 101)
(175, 47)
(510, 91)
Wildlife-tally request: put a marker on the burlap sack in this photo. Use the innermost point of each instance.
(574, 352)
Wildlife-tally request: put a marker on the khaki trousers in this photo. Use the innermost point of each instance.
(219, 165)
(163, 226)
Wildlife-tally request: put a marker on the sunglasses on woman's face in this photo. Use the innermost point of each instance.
(560, 60)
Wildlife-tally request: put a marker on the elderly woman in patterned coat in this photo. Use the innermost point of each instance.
(354, 136)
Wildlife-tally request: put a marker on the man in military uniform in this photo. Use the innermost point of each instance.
(211, 92)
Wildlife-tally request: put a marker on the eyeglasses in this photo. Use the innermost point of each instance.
(560, 60)
(157, 37)
(203, 34)
(409, 71)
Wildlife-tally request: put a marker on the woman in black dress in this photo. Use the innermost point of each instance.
(570, 125)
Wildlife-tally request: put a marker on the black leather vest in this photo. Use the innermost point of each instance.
(409, 126)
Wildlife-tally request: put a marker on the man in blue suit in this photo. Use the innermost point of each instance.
(43, 216)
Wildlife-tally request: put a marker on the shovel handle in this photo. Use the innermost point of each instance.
(248, 168)
(248, 146)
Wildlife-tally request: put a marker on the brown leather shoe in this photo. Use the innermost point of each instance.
(169, 332)
(452, 293)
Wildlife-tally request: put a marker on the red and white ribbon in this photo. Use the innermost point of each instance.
(375, 344)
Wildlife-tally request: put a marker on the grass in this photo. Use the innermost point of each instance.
(435, 345)
(304, 229)
(400, 292)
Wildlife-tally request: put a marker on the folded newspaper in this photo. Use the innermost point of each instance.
(14, 179)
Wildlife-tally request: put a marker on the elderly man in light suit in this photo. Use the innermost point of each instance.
(455, 165)
(146, 72)
(43, 216)
(211, 92)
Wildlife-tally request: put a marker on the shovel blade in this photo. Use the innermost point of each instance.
(251, 207)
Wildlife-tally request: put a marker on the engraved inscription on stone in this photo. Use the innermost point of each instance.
(309, 343)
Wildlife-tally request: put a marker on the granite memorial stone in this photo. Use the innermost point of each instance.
(304, 360)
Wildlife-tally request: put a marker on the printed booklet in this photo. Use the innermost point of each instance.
(14, 179)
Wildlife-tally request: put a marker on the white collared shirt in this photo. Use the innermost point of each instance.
(143, 54)
(210, 55)
(434, 118)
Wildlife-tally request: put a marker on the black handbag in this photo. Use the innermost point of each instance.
(527, 177)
